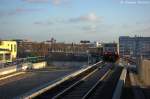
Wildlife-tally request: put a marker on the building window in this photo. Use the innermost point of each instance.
(15, 48)
(7, 56)
(1, 57)
(11, 47)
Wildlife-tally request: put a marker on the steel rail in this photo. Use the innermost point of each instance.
(97, 83)
(73, 85)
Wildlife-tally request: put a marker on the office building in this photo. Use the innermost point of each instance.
(134, 46)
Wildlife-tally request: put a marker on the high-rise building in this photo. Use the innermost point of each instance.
(134, 46)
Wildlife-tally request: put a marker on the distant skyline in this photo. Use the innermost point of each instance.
(74, 20)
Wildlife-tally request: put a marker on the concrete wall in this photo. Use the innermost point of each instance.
(145, 71)
(39, 65)
(23, 67)
(8, 70)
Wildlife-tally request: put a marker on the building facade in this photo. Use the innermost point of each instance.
(134, 46)
(110, 47)
(8, 51)
(32, 49)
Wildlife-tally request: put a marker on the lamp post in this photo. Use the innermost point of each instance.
(88, 55)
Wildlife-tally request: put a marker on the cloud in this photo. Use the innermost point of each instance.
(2, 14)
(19, 11)
(56, 2)
(91, 17)
(36, 1)
(43, 23)
(9, 35)
(53, 2)
(89, 28)
(5, 13)
(38, 23)
(144, 31)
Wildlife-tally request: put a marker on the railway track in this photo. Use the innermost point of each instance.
(80, 88)
(98, 83)
(67, 81)
(106, 88)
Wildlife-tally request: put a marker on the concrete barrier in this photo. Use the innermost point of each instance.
(144, 71)
(22, 67)
(39, 65)
(137, 92)
(8, 70)
(13, 69)
(120, 84)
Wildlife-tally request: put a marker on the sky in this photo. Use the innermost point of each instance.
(74, 20)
